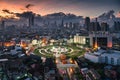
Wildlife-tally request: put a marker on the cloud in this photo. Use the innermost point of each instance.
(28, 6)
(25, 14)
(7, 11)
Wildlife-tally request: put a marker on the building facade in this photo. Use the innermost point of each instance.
(79, 39)
(103, 39)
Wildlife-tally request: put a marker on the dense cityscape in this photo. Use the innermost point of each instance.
(59, 45)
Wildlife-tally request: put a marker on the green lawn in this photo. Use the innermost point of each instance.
(36, 51)
(76, 51)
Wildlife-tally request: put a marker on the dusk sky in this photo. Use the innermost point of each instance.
(90, 8)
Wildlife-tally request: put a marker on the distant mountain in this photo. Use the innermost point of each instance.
(62, 15)
(108, 17)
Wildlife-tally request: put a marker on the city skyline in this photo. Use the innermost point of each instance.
(91, 8)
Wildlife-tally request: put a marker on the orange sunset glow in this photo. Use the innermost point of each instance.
(44, 7)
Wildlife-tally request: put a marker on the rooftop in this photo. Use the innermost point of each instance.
(110, 53)
(99, 52)
(114, 54)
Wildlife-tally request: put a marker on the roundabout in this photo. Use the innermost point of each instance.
(68, 50)
(59, 49)
(64, 57)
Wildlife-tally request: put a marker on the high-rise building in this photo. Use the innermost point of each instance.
(97, 25)
(70, 25)
(76, 26)
(31, 20)
(55, 23)
(2, 25)
(87, 23)
(62, 23)
(104, 27)
(117, 26)
(92, 26)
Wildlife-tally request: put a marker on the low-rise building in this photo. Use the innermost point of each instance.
(103, 56)
(92, 57)
(111, 58)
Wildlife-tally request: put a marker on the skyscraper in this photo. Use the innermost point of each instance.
(62, 23)
(87, 23)
(97, 25)
(70, 25)
(104, 27)
(3, 25)
(117, 26)
(31, 20)
(92, 26)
